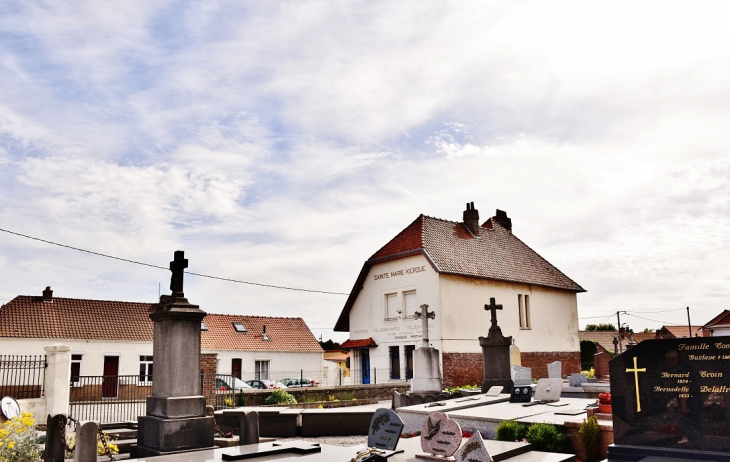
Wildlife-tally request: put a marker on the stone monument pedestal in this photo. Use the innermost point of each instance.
(426, 372)
(495, 354)
(176, 417)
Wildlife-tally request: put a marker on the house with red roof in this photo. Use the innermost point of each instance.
(718, 326)
(115, 338)
(455, 268)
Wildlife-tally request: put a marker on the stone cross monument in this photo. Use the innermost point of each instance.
(495, 353)
(426, 370)
(176, 419)
(424, 315)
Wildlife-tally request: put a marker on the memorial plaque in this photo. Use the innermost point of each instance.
(495, 390)
(555, 370)
(440, 435)
(673, 394)
(577, 380)
(520, 375)
(385, 430)
(473, 450)
(548, 390)
(521, 394)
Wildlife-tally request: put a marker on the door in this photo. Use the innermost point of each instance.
(110, 381)
(365, 363)
(236, 367)
(409, 361)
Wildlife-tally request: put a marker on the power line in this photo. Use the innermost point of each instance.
(653, 320)
(164, 268)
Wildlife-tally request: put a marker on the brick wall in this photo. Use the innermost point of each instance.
(601, 363)
(462, 369)
(208, 364)
(538, 361)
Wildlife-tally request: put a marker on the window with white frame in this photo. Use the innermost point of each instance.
(410, 303)
(391, 307)
(262, 370)
(145, 370)
(523, 305)
(76, 369)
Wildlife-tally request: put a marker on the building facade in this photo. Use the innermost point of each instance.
(455, 268)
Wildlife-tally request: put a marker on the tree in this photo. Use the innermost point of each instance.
(600, 327)
(329, 345)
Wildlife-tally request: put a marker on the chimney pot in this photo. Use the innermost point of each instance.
(48, 295)
(502, 218)
(471, 218)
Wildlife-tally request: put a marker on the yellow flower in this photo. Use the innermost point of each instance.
(11, 445)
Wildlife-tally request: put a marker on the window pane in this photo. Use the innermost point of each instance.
(391, 303)
(410, 302)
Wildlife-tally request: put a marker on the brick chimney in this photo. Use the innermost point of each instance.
(502, 218)
(471, 218)
(48, 295)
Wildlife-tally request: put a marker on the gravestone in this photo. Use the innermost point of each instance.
(385, 430)
(87, 435)
(495, 353)
(426, 370)
(176, 419)
(55, 442)
(521, 394)
(548, 390)
(520, 375)
(555, 370)
(248, 423)
(473, 450)
(671, 398)
(440, 436)
(577, 380)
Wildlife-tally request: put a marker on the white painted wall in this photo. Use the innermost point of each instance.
(368, 316)
(721, 332)
(281, 364)
(553, 315)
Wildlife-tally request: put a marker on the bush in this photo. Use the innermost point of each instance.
(19, 440)
(280, 396)
(241, 399)
(509, 430)
(590, 436)
(547, 438)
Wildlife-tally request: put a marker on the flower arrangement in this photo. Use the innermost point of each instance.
(19, 440)
(604, 398)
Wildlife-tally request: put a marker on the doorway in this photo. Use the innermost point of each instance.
(409, 361)
(110, 381)
(365, 364)
(236, 367)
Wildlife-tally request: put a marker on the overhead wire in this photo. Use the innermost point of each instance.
(164, 268)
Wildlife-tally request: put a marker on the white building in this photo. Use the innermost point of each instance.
(717, 327)
(455, 268)
(115, 338)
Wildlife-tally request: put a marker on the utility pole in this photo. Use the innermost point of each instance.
(620, 344)
(690, 323)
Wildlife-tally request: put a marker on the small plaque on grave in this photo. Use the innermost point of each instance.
(385, 430)
(474, 450)
(548, 390)
(673, 394)
(440, 436)
(495, 390)
(522, 394)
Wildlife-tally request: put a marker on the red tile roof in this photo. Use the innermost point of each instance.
(605, 338)
(673, 332)
(70, 318)
(359, 343)
(721, 320)
(285, 334)
(451, 248)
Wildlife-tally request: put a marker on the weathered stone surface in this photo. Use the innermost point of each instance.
(495, 353)
(473, 450)
(549, 390)
(385, 430)
(249, 427)
(520, 375)
(555, 370)
(426, 371)
(440, 435)
(87, 436)
(577, 380)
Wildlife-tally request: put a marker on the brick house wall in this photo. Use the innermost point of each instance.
(208, 365)
(466, 368)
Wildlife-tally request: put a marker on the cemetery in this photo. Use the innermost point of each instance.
(666, 401)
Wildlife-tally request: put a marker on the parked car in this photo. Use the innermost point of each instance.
(225, 383)
(296, 382)
(265, 384)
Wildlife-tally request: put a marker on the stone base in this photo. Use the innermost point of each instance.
(171, 435)
(180, 407)
(426, 372)
(425, 385)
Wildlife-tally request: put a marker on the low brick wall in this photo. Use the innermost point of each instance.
(538, 361)
(344, 393)
(462, 369)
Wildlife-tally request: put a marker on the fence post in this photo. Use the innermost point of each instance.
(339, 370)
(57, 381)
(301, 377)
(375, 375)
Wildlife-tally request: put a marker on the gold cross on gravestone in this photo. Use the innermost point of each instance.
(636, 371)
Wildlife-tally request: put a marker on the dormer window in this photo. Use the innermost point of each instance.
(203, 327)
(239, 327)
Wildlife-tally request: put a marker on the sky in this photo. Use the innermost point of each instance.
(283, 143)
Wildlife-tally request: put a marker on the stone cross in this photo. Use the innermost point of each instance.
(425, 315)
(177, 267)
(493, 307)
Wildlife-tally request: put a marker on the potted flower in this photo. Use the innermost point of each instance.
(604, 403)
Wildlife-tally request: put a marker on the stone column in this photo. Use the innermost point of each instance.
(57, 381)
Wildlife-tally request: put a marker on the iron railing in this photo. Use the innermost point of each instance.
(222, 391)
(109, 398)
(22, 376)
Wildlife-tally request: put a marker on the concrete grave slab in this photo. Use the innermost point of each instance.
(549, 390)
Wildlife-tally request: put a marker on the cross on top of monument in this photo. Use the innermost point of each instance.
(493, 307)
(424, 315)
(177, 266)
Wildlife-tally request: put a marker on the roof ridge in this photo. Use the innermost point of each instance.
(252, 316)
(85, 299)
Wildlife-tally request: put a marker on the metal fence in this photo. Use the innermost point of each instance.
(109, 398)
(331, 377)
(22, 376)
(221, 391)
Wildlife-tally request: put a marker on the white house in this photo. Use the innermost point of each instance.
(455, 268)
(115, 338)
(717, 326)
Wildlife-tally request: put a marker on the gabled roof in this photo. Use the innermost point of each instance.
(284, 334)
(605, 338)
(721, 320)
(359, 343)
(70, 318)
(451, 248)
(673, 332)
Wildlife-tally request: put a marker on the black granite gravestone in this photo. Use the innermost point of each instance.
(671, 398)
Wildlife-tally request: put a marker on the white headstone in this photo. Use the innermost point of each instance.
(555, 370)
(473, 450)
(520, 375)
(549, 390)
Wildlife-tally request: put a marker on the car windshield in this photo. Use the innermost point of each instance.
(238, 383)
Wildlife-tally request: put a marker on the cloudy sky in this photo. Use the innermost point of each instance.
(283, 143)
